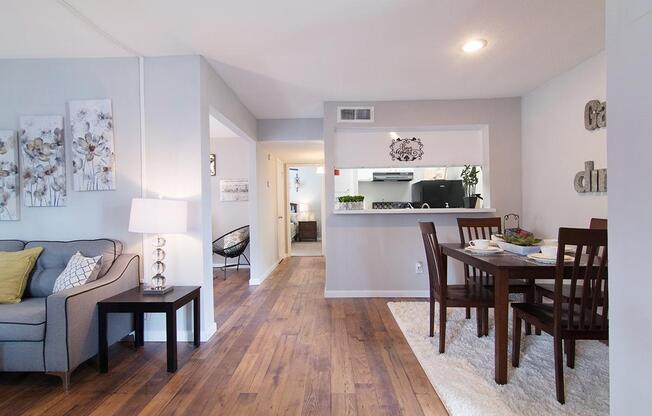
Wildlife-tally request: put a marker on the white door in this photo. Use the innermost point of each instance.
(281, 209)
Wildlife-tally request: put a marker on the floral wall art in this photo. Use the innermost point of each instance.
(8, 176)
(93, 158)
(43, 164)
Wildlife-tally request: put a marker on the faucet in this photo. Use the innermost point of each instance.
(409, 205)
(425, 205)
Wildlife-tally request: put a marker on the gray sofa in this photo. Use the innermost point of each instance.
(54, 333)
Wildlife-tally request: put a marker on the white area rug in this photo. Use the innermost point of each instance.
(464, 375)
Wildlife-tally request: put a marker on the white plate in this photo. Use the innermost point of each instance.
(484, 251)
(539, 257)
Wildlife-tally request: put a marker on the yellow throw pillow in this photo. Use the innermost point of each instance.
(15, 268)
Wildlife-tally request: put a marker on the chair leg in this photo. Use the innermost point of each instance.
(516, 340)
(224, 268)
(468, 312)
(570, 353)
(238, 266)
(479, 321)
(559, 369)
(485, 321)
(432, 318)
(539, 299)
(529, 298)
(442, 328)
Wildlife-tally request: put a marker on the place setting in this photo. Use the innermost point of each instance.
(482, 247)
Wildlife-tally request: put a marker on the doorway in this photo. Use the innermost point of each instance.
(305, 196)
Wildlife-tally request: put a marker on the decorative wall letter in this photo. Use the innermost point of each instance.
(43, 161)
(590, 179)
(8, 176)
(93, 158)
(595, 115)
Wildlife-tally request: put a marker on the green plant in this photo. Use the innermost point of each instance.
(470, 179)
(351, 198)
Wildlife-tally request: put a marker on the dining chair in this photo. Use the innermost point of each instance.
(582, 315)
(483, 228)
(449, 296)
(547, 290)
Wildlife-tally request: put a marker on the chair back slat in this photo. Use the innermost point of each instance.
(475, 229)
(586, 307)
(434, 259)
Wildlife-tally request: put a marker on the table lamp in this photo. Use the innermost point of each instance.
(158, 216)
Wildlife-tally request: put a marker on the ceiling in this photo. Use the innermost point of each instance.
(297, 151)
(284, 58)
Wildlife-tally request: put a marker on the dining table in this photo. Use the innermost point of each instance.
(503, 267)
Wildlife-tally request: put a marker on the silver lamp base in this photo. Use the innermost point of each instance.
(157, 286)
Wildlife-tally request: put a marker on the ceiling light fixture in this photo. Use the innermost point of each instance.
(474, 45)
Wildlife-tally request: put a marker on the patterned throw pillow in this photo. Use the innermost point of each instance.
(79, 270)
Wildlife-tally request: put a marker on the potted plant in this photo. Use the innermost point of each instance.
(351, 202)
(470, 180)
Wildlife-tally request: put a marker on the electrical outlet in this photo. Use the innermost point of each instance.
(418, 268)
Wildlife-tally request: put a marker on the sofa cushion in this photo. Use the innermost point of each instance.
(24, 321)
(15, 268)
(11, 245)
(56, 255)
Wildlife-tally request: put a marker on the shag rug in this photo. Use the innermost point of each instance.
(464, 375)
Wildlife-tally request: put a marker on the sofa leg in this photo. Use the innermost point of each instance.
(65, 378)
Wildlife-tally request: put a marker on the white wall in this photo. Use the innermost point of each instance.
(175, 160)
(290, 129)
(375, 255)
(555, 147)
(309, 192)
(629, 103)
(232, 162)
(43, 87)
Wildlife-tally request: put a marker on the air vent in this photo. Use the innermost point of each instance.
(355, 114)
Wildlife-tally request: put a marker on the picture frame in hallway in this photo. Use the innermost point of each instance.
(9, 199)
(43, 161)
(212, 164)
(92, 145)
(234, 190)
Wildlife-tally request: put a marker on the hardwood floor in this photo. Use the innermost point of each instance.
(281, 348)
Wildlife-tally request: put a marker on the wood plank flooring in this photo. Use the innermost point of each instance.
(281, 349)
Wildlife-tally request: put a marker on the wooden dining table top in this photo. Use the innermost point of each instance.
(513, 263)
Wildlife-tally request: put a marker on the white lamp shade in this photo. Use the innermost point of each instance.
(158, 216)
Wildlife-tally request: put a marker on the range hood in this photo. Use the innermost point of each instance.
(393, 176)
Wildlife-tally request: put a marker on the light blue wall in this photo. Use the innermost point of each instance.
(43, 87)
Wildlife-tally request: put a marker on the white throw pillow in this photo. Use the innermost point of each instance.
(79, 270)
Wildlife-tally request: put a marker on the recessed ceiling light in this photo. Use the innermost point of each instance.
(474, 45)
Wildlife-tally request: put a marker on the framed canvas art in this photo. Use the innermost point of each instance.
(43, 161)
(9, 204)
(92, 150)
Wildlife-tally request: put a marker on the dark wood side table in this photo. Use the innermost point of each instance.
(307, 230)
(135, 302)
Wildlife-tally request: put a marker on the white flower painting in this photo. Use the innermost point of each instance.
(93, 158)
(234, 190)
(43, 161)
(8, 176)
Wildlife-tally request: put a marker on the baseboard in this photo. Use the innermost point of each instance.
(261, 279)
(376, 293)
(182, 336)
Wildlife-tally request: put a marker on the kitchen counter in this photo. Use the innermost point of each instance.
(416, 211)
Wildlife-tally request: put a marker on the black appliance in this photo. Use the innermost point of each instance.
(439, 193)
